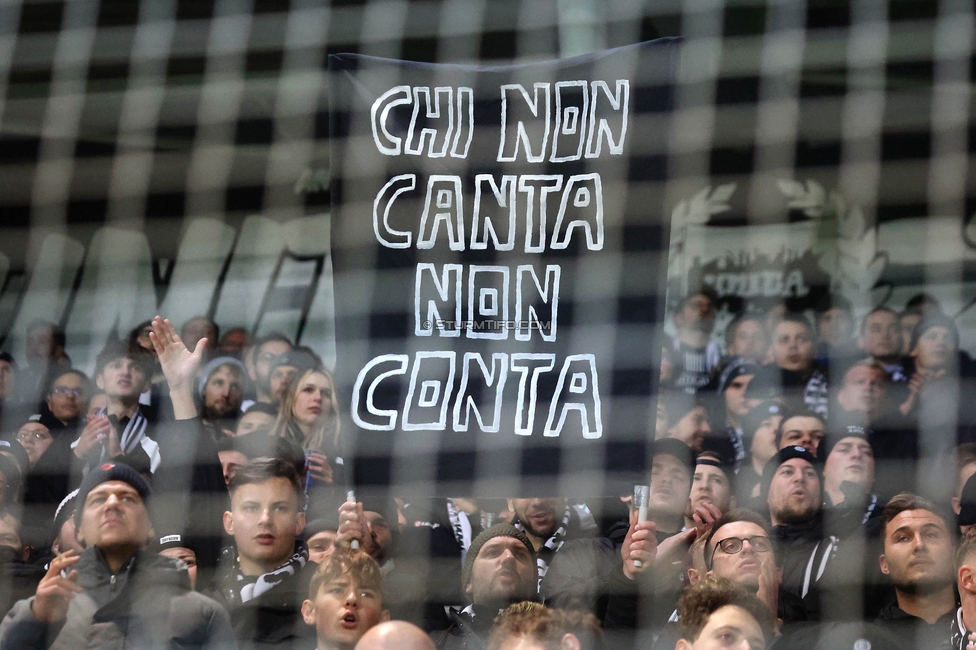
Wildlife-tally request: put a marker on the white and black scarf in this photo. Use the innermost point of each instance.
(240, 589)
(544, 555)
(133, 431)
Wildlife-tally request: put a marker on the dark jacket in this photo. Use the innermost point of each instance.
(272, 618)
(803, 552)
(915, 632)
(588, 574)
(189, 490)
(468, 629)
(147, 604)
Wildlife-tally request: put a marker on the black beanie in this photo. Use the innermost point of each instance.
(834, 436)
(783, 455)
(110, 472)
(65, 511)
(170, 540)
(736, 368)
(498, 530)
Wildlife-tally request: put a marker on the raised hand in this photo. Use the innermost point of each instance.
(639, 544)
(54, 591)
(705, 517)
(353, 525)
(178, 363)
(770, 577)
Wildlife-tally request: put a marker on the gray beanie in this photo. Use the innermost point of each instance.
(498, 530)
(212, 366)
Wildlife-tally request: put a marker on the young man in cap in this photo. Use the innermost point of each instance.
(849, 504)
(712, 484)
(114, 591)
(499, 570)
(732, 384)
(345, 600)
(918, 558)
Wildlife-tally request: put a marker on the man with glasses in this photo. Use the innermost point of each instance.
(67, 398)
(738, 547)
(35, 438)
(258, 362)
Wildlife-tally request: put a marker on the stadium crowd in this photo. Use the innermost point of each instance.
(812, 484)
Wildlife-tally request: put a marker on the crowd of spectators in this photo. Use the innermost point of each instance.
(811, 484)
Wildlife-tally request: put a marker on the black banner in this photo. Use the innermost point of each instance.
(499, 241)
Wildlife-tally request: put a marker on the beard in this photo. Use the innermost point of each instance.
(794, 514)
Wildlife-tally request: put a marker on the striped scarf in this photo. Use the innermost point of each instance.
(132, 433)
(544, 555)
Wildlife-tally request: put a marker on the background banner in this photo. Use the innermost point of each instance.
(499, 243)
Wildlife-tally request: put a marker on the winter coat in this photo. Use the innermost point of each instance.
(272, 618)
(147, 604)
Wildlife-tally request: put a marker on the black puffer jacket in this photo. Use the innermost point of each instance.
(147, 604)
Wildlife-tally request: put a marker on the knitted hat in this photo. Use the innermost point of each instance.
(783, 455)
(736, 368)
(46, 417)
(754, 418)
(830, 440)
(934, 319)
(317, 526)
(170, 540)
(65, 511)
(212, 366)
(498, 530)
(110, 472)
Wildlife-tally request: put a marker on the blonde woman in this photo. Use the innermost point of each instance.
(309, 417)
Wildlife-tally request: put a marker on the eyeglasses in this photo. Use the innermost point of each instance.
(732, 545)
(76, 392)
(37, 436)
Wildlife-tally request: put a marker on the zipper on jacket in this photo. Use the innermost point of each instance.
(112, 581)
